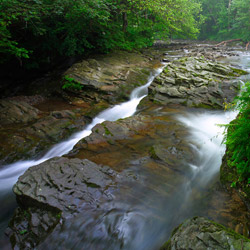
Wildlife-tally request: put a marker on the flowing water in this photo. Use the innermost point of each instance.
(143, 213)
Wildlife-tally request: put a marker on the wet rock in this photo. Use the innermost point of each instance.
(109, 78)
(53, 191)
(14, 112)
(195, 82)
(109, 132)
(229, 175)
(177, 156)
(200, 233)
(24, 140)
(31, 100)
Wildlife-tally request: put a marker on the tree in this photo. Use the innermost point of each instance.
(37, 32)
(226, 19)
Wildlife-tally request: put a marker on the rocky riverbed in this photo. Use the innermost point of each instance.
(140, 160)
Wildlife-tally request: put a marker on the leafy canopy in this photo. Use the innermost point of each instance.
(226, 19)
(39, 31)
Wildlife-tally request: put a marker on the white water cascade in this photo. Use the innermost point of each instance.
(10, 173)
(206, 137)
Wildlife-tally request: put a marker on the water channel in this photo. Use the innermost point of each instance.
(145, 211)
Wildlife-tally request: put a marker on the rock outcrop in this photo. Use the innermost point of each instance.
(109, 78)
(108, 132)
(195, 82)
(16, 112)
(25, 131)
(50, 192)
(229, 175)
(200, 233)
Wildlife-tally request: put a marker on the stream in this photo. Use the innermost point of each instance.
(144, 212)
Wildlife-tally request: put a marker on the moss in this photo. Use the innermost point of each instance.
(203, 105)
(230, 231)
(59, 215)
(238, 72)
(166, 245)
(153, 153)
(231, 179)
(110, 142)
(107, 132)
(23, 231)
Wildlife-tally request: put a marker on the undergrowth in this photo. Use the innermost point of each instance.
(237, 137)
(71, 84)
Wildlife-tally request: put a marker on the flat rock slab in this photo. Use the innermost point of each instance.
(195, 82)
(108, 78)
(26, 131)
(53, 191)
(108, 132)
(200, 233)
(14, 112)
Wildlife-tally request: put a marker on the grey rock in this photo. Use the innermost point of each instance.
(12, 112)
(24, 140)
(201, 234)
(54, 191)
(109, 132)
(195, 81)
(62, 183)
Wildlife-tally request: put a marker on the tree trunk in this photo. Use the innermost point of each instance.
(247, 45)
(229, 12)
(125, 21)
(228, 41)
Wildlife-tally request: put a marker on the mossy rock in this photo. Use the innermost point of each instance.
(230, 179)
(200, 233)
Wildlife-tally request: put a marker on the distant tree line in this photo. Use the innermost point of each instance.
(36, 32)
(225, 19)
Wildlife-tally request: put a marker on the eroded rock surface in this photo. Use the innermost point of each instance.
(53, 191)
(195, 82)
(200, 233)
(25, 131)
(109, 78)
(108, 132)
(229, 175)
(14, 112)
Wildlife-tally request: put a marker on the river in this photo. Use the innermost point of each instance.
(143, 214)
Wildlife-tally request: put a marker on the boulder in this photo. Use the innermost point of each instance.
(53, 191)
(200, 233)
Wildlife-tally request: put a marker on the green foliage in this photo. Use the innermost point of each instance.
(38, 32)
(71, 84)
(238, 137)
(23, 231)
(226, 19)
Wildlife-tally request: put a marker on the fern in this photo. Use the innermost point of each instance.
(238, 137)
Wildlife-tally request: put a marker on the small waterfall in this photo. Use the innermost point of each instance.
(10, 173)
(206, 136)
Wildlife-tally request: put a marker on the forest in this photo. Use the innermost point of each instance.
(35, 33)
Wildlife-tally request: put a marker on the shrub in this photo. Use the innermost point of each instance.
(71, 84)
(237, 138)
